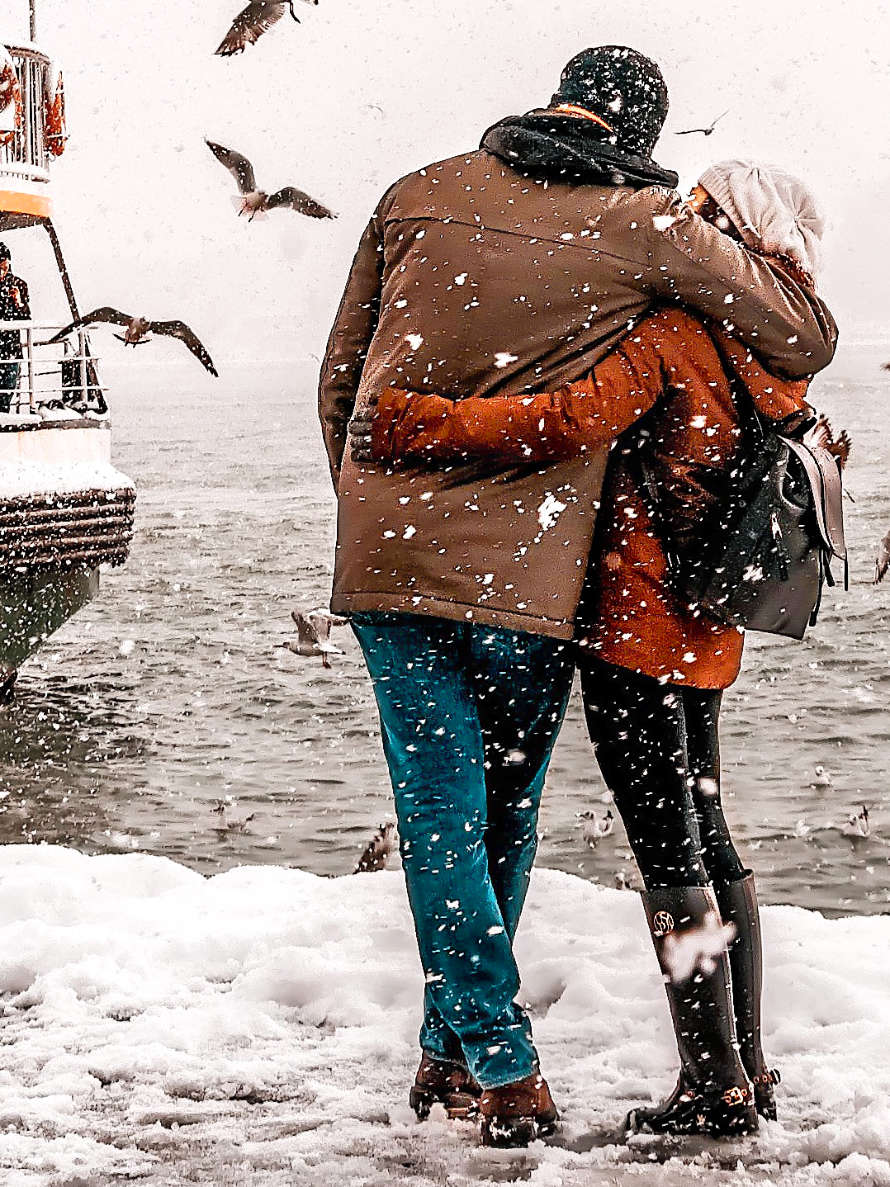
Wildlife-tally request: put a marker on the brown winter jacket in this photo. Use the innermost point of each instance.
(681, 380)
(474, 279)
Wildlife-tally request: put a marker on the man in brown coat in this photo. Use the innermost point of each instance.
(515, 267)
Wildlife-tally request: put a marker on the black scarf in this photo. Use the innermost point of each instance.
(561, 147)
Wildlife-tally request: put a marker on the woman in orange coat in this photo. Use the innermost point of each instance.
(653, 668)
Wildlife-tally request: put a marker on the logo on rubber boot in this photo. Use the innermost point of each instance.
(735, 1095)
(662, 923)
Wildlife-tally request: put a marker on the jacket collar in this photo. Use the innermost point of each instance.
(562, 147)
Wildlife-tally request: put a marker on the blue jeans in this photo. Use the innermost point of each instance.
(469, 716)
(9, 382)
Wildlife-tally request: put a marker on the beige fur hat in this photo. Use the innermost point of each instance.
(773, 211)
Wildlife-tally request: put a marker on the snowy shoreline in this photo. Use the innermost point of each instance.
(259, 1027)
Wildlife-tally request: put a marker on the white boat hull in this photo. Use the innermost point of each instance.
(64, 512)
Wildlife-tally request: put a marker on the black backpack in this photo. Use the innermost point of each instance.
(760, 559)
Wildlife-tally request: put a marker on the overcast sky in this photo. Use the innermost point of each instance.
(361, 93)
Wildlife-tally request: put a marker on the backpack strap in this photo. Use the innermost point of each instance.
(649, 491)
(814, 613)
(824, 476)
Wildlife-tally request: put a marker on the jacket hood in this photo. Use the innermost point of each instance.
(566, 148)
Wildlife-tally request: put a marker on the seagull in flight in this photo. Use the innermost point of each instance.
(704, 131)
(882, 560)
(823, 435)
(226, 823)
(252, 22)
(137, 330)
(593, 829)
(314, 634)
(857, 824)
(384, 842)
(254, 201)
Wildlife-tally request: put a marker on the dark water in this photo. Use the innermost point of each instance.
(170, 692)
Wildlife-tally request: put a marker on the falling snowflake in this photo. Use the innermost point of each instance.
(415, 341)
(549, 512)
(697, 949)
(503, 359)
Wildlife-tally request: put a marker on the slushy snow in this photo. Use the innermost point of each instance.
(259, 1027)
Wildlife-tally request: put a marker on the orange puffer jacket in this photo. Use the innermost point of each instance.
(632, 618)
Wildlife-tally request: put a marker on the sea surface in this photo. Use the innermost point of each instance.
(171, 691)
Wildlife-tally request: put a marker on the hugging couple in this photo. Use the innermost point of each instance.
(517, 321)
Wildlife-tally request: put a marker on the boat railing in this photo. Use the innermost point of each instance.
(27, 155)
(51, 374)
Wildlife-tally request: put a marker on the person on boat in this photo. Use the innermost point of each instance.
(652, 667)
(14, 306)
(514, 267)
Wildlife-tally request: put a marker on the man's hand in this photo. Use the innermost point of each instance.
(17, 297)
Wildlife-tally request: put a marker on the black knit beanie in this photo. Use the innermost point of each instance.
(622, 87)
(5, 253)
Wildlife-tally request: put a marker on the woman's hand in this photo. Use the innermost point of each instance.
(359, 431)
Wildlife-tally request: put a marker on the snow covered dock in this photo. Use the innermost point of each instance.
(259, 1027)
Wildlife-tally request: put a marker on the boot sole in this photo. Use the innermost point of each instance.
(721, 1125)
(514, 1132)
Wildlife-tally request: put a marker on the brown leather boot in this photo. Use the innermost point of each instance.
(515, 1114)
(446, 1084)
(738, 905)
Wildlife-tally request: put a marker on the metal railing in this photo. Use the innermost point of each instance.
(59, 374)
(27, 155)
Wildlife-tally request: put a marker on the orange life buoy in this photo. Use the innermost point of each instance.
(55, 132)
(12, 106)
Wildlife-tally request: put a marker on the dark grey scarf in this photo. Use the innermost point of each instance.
(567, 148)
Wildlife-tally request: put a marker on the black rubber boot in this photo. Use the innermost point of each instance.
(713, 1095)
(738, 905)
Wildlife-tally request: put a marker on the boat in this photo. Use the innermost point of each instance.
(65, 511)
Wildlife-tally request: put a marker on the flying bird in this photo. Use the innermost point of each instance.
(382, 844)
(822, 435)
(254, 201)
(857, 824)
(252, 22)
(226, 823)
(314, 634)
(882, 560)
(696, 949)
(137, 331)
(593, 829)
(704, 131)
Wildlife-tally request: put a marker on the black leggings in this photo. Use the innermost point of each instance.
(658, 749)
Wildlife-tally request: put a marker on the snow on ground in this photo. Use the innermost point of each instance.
(259, 1027)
